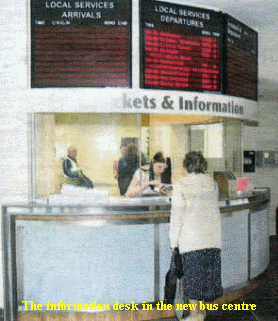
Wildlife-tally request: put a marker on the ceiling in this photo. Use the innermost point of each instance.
(255, 13)
(260, 15)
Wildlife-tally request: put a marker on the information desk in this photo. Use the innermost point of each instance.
(98, 257)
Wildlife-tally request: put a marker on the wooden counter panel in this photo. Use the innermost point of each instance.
(92, 217)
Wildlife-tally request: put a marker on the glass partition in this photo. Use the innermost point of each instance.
(209, 139)
(220, 143)
(233, 146)
(102, 146)
(99, 141)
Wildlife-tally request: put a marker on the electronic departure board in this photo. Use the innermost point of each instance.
(180, 47)
(81, 43)
(241, 60)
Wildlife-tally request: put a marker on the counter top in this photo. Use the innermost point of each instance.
(122, 206)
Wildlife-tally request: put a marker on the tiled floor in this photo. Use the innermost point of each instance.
(265, 297)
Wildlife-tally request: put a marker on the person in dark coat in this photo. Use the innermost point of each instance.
(126, 168)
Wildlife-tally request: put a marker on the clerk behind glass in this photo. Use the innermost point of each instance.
(149, 177)
(72, 171)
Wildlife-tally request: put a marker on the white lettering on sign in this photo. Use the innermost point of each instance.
(79, 5)
(235, 27)
(94, 5)
(81, 15)
(164, 9)
(182, 21)
(233, 33)
(57, 4)
(194, 14)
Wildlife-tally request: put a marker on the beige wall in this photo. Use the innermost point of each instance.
(97, 138)
(179, 146)
(45, 167)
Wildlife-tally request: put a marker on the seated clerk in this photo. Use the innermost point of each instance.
(72, 171)
(149, 177)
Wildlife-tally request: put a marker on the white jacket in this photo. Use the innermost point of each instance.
(195, 218)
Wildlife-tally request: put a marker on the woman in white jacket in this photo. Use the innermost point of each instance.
(195, 228)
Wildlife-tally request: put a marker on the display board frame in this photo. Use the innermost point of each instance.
(80, 46)
(179, 19)
(240, 45)
(192, 26)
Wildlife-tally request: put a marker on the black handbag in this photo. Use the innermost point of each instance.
(174, 273)
(178, 263)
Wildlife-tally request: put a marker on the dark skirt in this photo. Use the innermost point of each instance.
(202, 273)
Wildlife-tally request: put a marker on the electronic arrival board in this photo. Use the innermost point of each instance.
(180, 47)
(241, 60)
(81, 43)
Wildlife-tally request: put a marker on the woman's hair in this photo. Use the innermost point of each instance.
(157, 158)
(194, 162)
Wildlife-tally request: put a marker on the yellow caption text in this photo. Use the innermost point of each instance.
(60, 306)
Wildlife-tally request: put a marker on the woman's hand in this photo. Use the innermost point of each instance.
(137, 187)
(156, 183)
(162, 190)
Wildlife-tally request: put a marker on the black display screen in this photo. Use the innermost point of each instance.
(81, 43)
(180, 47)
(241, 60)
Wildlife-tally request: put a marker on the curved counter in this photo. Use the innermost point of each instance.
(100, 259)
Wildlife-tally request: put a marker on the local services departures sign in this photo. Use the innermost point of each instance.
(180, 47)
(195, 49)
(81, 43)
